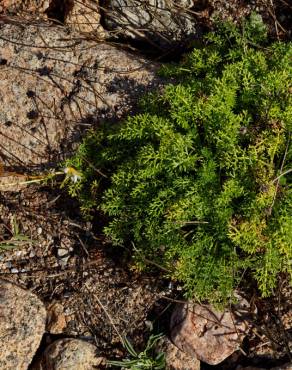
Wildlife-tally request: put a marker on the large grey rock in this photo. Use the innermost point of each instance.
(70, 354)
(22, 324)
(206, 333)
(163, 23)
(54, 86)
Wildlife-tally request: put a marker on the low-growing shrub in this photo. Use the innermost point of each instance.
(200, 181)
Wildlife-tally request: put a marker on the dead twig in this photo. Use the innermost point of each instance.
(106, 313)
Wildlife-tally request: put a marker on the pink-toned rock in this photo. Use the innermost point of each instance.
(84, 17)
(56, 322)
(22, 324)
(54, 86)
(81, 16)
(177, 359)
(70, 354)
(25, 6)
(206, 333)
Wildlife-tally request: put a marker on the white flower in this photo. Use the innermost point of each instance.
(72, 173)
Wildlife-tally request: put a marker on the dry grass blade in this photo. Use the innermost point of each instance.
(106, 313)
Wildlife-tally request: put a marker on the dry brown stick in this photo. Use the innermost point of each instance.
(57, 48)
(106, 313)
(281, 174)
(285, 2)
(277, 23)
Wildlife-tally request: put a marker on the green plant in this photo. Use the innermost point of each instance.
(200, 180)
(16, 239)
(144, 360)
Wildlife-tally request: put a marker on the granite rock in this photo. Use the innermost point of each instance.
(84, 17)
(22, 325)
(70, 354)
(176, 359)
(161, 23)
(53, 87)
(206, 333)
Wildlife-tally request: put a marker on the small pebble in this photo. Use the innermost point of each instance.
(39, 230)
(62, 252)
(149, 325)
(63, 262)
(14, 271)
